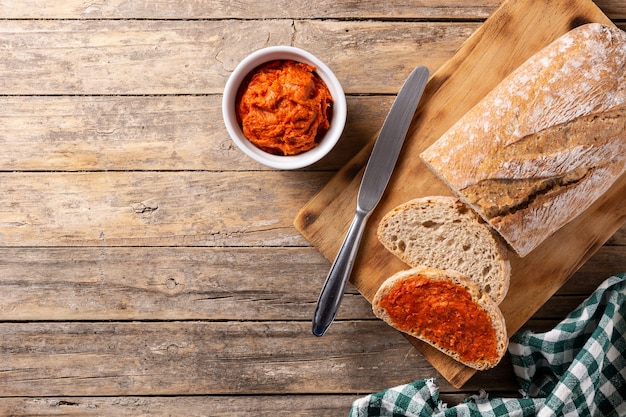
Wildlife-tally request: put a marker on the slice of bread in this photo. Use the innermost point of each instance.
(442, 232)
(446, 310)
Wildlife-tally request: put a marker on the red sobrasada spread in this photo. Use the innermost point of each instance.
(443, 313)
(284, 107)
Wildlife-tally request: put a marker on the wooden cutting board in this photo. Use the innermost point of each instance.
(517, 30)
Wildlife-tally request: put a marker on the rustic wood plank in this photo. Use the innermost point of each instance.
(219, 406)
(169, 283)
(619, 238)
(559, 307)
(86, 133)
(128, 56)
(196, 57)
(218, 358)
(205, 284)
(115, 133)
(154, 208)
(93, 57)
(607, 261)
(360, 52)
(614, 9)
(300, 9)
(215, 406)
(224, 9)
(149, 133)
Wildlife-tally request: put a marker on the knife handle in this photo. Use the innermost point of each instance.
(332, 292)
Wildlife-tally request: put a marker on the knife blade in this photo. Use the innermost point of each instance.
(377, 173)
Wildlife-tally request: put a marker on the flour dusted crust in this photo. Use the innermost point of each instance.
(547, 142)
(481, 299)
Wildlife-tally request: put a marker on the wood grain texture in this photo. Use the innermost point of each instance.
(154, 406)
(223, 9)
(193, 358)
(142, 253)
(152, 208)
(184, 283)
(459, 84)
(146, 133)
(127, 56)
(88, 284)
(297, 9)
(196, 57)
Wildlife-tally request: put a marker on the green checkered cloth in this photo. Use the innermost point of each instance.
(576, 369)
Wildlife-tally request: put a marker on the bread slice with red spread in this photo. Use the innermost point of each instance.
(446, 310)
(443, 232)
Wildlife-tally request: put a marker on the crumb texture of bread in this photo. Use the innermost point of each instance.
(443, 232)
(446, 310)
(547, 142)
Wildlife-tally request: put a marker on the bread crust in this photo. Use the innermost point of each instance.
(547, 142)
(485, 302)
(442, 232)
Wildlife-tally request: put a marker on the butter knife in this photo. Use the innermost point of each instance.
(377, 173)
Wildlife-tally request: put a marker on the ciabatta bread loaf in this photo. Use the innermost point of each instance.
(446, 310)
(547, 142)
(442, 232)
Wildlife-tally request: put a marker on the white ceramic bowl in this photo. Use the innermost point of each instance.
(229, 113)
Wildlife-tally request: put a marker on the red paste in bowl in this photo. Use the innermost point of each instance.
(284, 107)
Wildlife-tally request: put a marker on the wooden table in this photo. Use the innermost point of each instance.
(147, 266)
